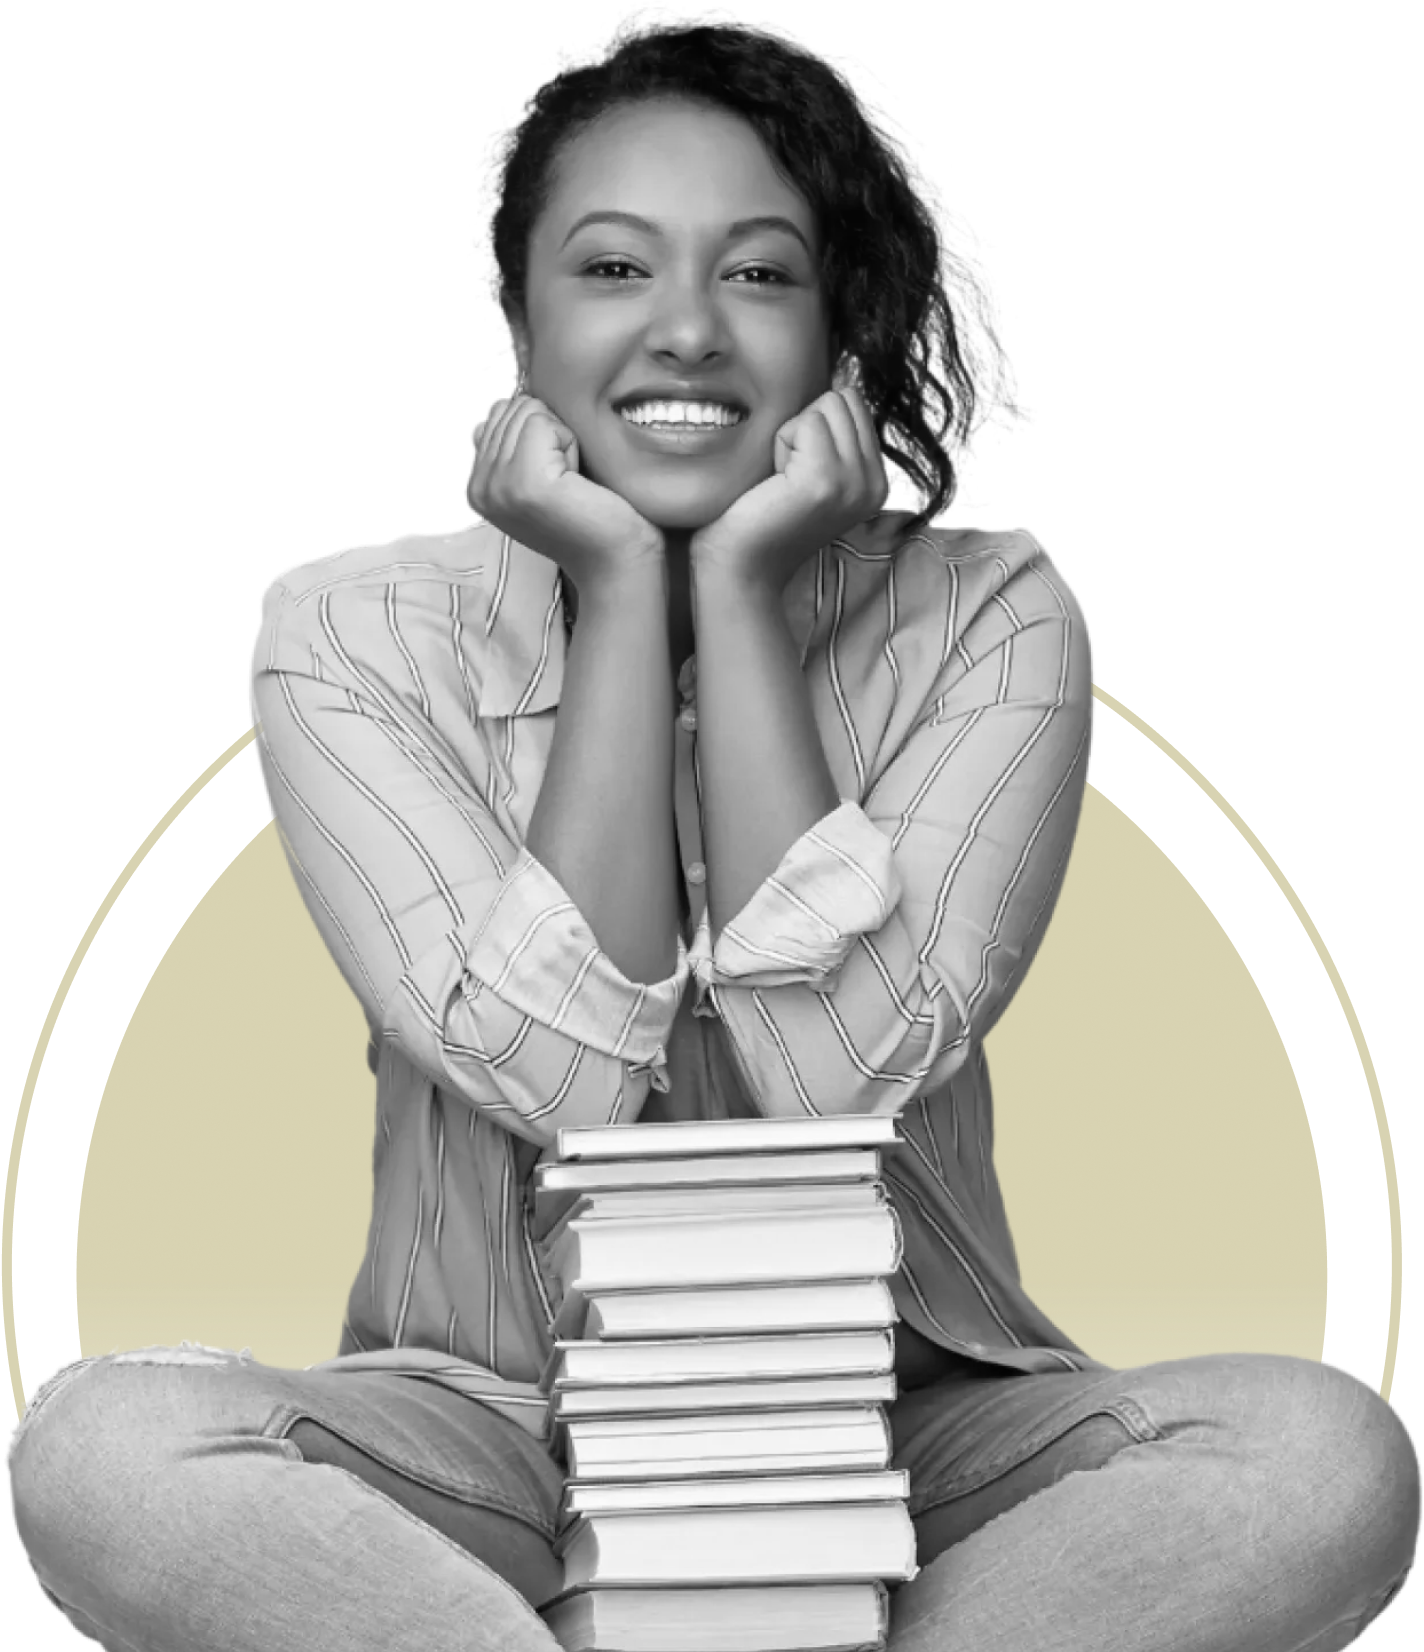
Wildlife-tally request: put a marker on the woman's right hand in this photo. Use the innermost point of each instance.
(526, 481)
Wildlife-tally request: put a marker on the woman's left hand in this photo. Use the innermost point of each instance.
(829, 477)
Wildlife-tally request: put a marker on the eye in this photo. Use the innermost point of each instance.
(602, 270)
(613, 269)
(762, 270)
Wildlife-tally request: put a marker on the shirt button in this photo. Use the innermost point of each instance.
(688, 718)
(697, 872)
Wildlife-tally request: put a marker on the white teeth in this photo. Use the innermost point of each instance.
(682, 413)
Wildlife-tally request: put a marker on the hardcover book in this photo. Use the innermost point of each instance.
(836, 1305)
(788, 1392)
(741, 1491)
(821, 1617)
(557, 1185)
(746, 1199)
(703, 1445)
(719, 1359)
(683, 1137)
(845, 1542)
(614, 1254)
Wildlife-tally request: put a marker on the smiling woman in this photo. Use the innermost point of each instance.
(681, 338)
(692, 783)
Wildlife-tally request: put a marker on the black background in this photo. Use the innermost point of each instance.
(258, 314)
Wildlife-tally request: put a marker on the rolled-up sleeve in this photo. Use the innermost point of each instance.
(835, 883)
(894, 932)
(459, 945)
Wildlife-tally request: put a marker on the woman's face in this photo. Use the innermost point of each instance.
(674, 313)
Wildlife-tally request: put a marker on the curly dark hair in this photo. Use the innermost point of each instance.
(883, 264)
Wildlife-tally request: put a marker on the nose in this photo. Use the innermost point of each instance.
(686, 326)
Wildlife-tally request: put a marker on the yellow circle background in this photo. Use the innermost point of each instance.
(1155, 1154)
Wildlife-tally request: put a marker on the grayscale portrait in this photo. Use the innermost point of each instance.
(689, 1067)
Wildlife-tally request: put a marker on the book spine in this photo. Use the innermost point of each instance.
(754, 1201)
(773, 1357)
(738, 1448)
(602, 1315)
(838, 1166)
(707, 1138)
(592, 1256)
(727, 1468)
(672, 1399)
(736, 1491)
(873, 1542)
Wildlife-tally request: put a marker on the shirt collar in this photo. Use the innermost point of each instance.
(525, 640)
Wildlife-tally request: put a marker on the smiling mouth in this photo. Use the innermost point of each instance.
(691, 425)
(679, 436)
(682, 415)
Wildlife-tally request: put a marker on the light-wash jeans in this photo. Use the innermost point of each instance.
(188, 1500)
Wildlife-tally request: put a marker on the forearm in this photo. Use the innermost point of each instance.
(603, 822)
(765, 779)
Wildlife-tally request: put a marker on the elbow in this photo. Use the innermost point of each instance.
(801, 1053)
(530, 1078)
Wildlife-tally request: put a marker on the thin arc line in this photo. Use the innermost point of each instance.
(42, 1045)
(1356, 1031)
(1188, 768)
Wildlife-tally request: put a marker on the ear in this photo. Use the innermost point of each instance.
(519, 338)
(847, 373)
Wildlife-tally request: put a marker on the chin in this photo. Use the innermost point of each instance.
(687, 518)
(681, 503)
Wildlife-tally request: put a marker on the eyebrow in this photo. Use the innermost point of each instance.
(735, 232)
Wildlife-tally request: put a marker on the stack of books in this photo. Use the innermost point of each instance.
(724, 1350)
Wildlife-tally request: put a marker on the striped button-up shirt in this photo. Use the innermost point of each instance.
(406, 699)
